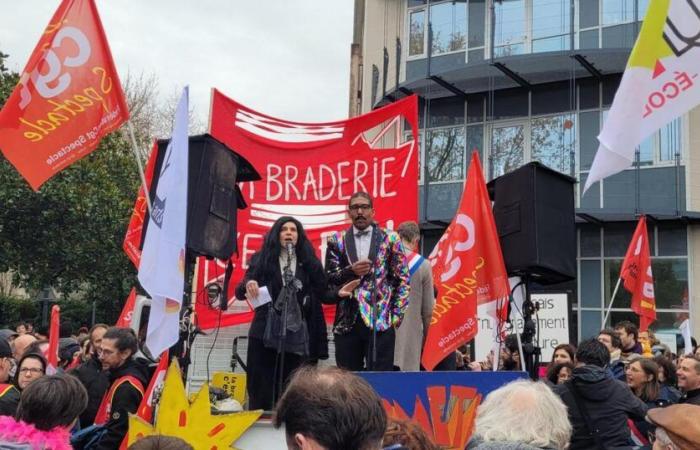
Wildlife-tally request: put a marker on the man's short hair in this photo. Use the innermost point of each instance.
(408, 231)
(526, 412)
(125, 338)
(363, 195)
(160, 442)
(52, 401)
(96, 326)
(629, 328)
(593, 353)
(696, 362)
(511, 343)
(332, 406)
(614, 337)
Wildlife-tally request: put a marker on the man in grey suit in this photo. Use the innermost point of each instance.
(411, 334)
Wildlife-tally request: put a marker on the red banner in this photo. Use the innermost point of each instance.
(127, 313)
(145, 409)
(54, 335)
(468, 270)
(309, 171)
(68, 97)
(133, 239)
(637, 277)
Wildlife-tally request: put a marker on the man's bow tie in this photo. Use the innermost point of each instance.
(361, 233)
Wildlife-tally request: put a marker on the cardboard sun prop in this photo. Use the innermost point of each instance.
(192, 422)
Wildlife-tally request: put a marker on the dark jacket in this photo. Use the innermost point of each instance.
(96, 382)
(126, 400)
(609, 404)
(313, 292)
(691, 397)
(9, 399)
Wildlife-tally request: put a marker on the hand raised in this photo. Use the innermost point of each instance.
(348, 288)
(252, 289)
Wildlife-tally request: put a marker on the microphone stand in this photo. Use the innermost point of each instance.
(290, 290)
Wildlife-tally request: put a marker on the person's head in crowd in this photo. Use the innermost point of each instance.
(65, 329)
(591, 352)
(629, 334)
(41, 332)
(30, 368)
(330, 408)
(67, 350)
(611, 339)
(20, 345)
(118, 346)
(688, 373)
(677, 427)
(409, 232)
(160, 442)
(560, 373)
(29, 326)
(667, 370)
(40, 347)
(510, 355)
(361, 210)
(642, 376)
(52, 401)
(8, 335)
(5, 361)
(407, 435)
(522, 412)
(96, 334)
(85, 349)
(563, 353)
(697, 352)
(21, 328)
(83, 331)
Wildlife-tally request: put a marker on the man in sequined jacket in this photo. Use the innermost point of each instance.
(376, 256)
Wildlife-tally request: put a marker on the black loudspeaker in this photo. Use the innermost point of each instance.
(534, 213)
(213, 197)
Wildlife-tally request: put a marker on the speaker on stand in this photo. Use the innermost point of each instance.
(533, 207)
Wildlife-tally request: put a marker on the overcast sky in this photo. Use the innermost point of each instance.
(288, 59)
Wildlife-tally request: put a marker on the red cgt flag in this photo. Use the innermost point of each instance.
(68, 97)
(54, 335)
(134, 233)
(127, 313)
(468, 269)
(637, 277)
(145, 410)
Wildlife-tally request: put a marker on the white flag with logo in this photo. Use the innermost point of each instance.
(660, 83)
(162, 268)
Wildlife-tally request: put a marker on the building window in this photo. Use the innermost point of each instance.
(551, 25)
(448, 23)
(416, 38)
(507, 149)
(553, 142)
(510, 33)
(445, 147)
(617, 11)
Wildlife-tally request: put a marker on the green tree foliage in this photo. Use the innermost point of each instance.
(69, 235)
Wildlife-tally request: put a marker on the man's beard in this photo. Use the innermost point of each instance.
(510, 364)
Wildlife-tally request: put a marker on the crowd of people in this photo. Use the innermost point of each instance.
(607, 392)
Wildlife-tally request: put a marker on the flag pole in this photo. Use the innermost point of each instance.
(607, 312)
(135, 148)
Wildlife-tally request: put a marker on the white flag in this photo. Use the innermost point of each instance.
(660, 83)
(162, 268)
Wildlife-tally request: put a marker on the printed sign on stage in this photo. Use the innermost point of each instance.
(443, 403)
(309, 171)
(552, 319)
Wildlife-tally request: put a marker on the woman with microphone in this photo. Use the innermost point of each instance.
(286, 284)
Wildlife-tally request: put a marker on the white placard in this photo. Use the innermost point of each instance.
(669, 340)
(553, 322)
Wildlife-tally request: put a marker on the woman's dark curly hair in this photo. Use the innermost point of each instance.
(269, 253)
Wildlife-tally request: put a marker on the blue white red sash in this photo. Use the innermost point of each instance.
(414, 262)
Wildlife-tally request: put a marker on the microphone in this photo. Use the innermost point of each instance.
(290, 249)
